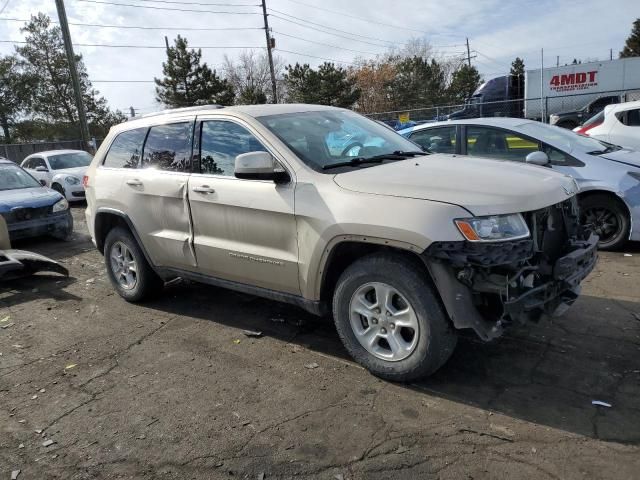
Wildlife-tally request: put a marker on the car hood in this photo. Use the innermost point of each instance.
(76, 172)
(27, 198)
(482, 186)
(629, 157)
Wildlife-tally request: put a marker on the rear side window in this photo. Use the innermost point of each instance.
(630, 118)
(168, 147)
(126, 149)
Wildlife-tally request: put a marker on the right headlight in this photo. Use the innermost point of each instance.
(60, 206)
(493, 228)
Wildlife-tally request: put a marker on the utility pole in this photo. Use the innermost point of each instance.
(557, 60)
(166, 43)
(82, 116)
(269, 47)
(133, 112)
(611, 54)
(468, 53)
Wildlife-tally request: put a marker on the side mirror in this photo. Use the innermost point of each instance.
(43, 183)
(259, 166)
(42, 169)
(537, 158)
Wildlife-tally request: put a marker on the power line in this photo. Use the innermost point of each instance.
(356, 17)
(142, 46)
(321, 58)
(328, 33)
(137, 27)
(167, 8)
(203, 4)
(5, 6)
(331, 28)
(325, 44)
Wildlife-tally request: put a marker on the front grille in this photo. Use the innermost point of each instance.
(20, 214)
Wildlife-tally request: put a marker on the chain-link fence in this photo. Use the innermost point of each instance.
(17, 152)
(566, 110)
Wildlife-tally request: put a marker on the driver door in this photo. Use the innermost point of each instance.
(243, 230)
(34, 163)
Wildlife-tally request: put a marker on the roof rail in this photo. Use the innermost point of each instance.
(180, 110)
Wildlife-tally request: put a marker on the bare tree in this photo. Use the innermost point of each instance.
(250, 76)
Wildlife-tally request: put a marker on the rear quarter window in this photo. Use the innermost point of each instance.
(126, 149)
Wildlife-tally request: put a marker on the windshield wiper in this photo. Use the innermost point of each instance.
(608, 149)
(397, 155)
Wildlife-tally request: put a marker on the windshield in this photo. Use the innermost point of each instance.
(69, 160)
(566, 139)
(325, 137)
(13, 177)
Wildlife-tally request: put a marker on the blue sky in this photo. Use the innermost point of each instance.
(498, 31)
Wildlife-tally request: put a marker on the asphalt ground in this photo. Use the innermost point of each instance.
(174, 389)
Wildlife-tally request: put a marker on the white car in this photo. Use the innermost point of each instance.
(61, 170)
(618, 124)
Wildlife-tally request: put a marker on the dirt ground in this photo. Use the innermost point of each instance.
(174, 389)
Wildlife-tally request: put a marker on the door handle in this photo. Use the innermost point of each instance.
(134, 182)
(204, 189)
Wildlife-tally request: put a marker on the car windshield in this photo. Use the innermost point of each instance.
(69, 160)
(13, 177)
(332, 137)
(566, 139)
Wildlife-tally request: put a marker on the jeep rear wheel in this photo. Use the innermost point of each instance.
(128, 269)
(390, 320)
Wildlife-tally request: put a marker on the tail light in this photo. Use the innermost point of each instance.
(584, 129)
(85, 181)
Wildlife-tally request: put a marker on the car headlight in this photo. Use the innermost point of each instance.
(60, 206)
(493, 228)
(72, 180)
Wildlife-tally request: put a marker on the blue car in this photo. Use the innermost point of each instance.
(30, 209)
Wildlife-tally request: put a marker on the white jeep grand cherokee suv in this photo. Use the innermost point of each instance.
(403, 247)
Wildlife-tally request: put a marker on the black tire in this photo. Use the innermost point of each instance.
(436, 337)
(58, 188)
(598, 207)
(147, 284)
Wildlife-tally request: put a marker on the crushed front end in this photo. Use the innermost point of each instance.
(489, 285)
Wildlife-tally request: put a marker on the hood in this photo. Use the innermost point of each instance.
(482, 186)
(27, 198)
(628, 157)
(76, 172)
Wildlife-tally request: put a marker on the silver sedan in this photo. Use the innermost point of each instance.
(608, 175)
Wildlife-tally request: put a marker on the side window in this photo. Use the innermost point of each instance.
(168, 147)
(221, 142)
(599, 104)
(126, 149)
(631, 118)
(557, 157)
(437, 140)
(499, 144)
(28, 163)
(38, 162)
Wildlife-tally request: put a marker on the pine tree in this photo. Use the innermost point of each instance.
(328, 85)
(632, 45)
(188, 82)
(464, 81)
(517, 77)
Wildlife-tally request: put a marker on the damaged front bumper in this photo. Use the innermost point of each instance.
(19, 263)
(488, 286)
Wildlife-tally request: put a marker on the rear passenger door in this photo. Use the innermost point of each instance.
(244, 230)
(159, 206)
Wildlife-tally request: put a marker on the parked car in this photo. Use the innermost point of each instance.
(608, 176)
(572, 119)
(62, 170)
(618, 124)
(404, 248)
(30, 209)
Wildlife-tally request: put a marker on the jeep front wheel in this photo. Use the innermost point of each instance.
(390, 320)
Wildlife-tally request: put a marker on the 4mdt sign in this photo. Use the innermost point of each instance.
(567, 82)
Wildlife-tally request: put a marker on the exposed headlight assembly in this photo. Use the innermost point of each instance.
(72, 180)
(494, 228)
(60, 206)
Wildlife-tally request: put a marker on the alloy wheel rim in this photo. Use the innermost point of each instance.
(603, 222)
(383, 321)
(124, 266)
